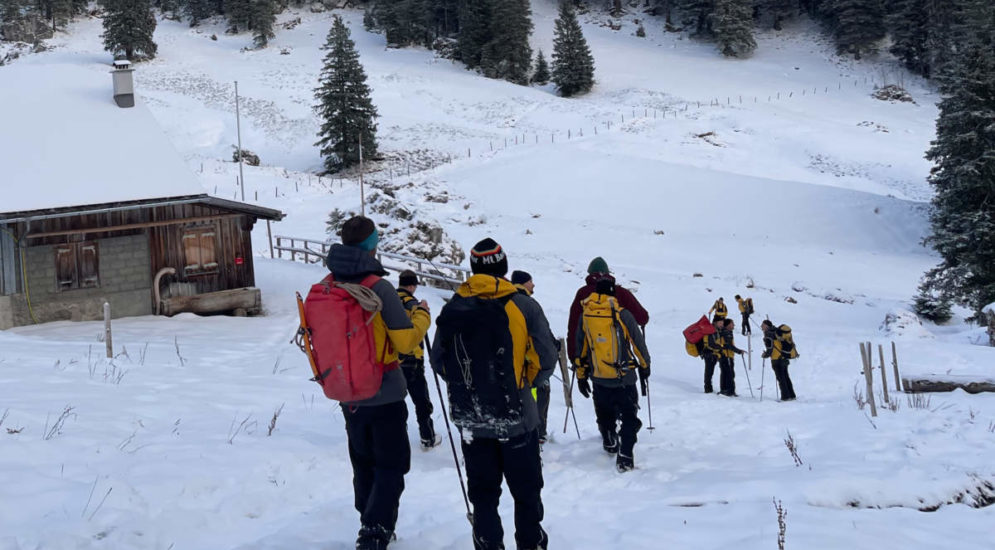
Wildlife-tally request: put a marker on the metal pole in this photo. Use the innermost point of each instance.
(238, 129)
(362, 191)
(452, 444)
(269, 233)
(763, 367)
(750, 385)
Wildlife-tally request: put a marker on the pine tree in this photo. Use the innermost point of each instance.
(239, 14)
(347, 114)
(932, 307)
(262, 21)
(696, 16)
(474, 30)
(963, 214)
(10, 10)
(199, 10)
(573, 65)
(858, 24)
(908, 23)
(733, 26)
(541, 76)
(777, 10)
(128, 29)
(507, 55)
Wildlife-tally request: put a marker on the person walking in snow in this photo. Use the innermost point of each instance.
(613, 351)
(780, 348)
(597, 270)
(727, 359)
(492, 345)
(379, 450)
(525, 285)
(711, 350)
(720, 309)
(413, 367)
(746, 309)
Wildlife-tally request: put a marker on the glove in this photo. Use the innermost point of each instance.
(766, 354)
(584, 385)
(644, 374)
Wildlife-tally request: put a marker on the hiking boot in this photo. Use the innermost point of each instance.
(427, 444)
(729, 393)
(609, 440)
(374, 538)
(624, 463)
(708, 389)
(541, 545)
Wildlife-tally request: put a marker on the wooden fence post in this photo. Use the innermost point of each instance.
(107, 330)
(269, 234)
(865, 354)
(884, 373)
(894, 363)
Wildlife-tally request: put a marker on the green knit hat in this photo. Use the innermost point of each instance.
(597, 265)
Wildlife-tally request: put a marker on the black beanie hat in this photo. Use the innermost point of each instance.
(605, 286)
(356, 229)
(488, 258)
(407, 278)
(520, 277)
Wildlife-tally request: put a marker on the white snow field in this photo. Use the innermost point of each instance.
(819, 197)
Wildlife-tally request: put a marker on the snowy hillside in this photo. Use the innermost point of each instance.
(694, 176)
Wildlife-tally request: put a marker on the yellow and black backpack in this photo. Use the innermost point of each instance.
(606, 345)
(784, 344)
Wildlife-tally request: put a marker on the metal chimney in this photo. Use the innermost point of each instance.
(124, 84)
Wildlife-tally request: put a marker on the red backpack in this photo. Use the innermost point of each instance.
(694, 334)
(336, 333)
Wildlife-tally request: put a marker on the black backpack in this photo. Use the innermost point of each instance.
(478, 355)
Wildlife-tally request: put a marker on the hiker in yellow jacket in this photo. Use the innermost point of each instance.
(613, 351)
(413, 367)
(719, 307)
(490, 393)
(745, 309)
(780, 348)
(727, 359)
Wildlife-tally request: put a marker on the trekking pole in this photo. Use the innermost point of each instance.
(747, 375)
(570, 409)
(763, 366)
(649, 406)
(452, 444)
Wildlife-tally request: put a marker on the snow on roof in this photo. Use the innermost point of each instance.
(65, 143)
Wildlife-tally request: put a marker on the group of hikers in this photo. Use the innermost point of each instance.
(717, 346)
(494, 349)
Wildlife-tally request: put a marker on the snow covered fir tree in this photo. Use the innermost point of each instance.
(963, 215)
(573, 64)
(128, 29)
(733, 26)
(345, 110)
(541, 75)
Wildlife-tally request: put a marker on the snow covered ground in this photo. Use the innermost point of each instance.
(818, 197)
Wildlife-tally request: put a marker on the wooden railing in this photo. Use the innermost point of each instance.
(311, 251)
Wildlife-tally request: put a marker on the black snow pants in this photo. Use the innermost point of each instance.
(746, 324)
(517, 461)
(727, 375)
(414, 374)
(780, 367)
(380, 454)
(542, 401)
(710, 361)
(612, 404)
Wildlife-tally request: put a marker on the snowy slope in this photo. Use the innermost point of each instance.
(817, 197)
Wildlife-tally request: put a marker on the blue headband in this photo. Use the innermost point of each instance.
(370, 243)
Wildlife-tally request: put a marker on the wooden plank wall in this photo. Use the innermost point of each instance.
(165, 242)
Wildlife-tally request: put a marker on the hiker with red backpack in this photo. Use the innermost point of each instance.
(492, 346)
(612, 351)
(413, 366)
(598, 270)
(355, 327)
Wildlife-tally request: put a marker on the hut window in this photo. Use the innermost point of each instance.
(200, 250)
(77, 265)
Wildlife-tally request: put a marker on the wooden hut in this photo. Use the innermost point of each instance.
(105, 210)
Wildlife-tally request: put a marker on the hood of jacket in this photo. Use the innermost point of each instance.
(593, 278)
(350, 262)
(486, 286)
